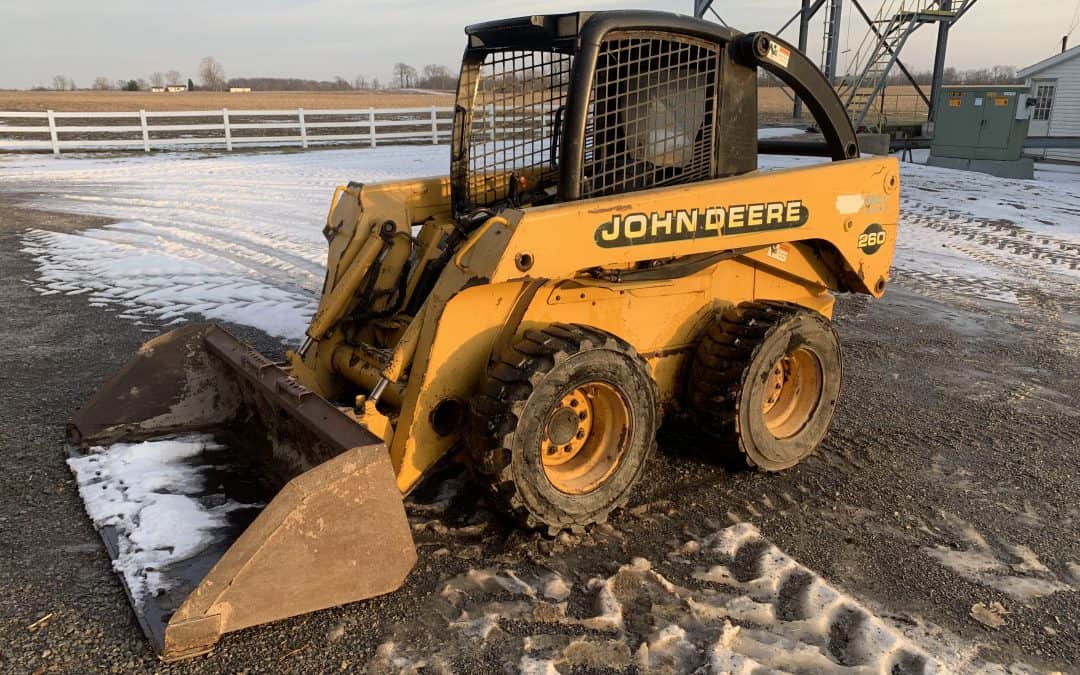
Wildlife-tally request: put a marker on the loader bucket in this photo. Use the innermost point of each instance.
(292, 504)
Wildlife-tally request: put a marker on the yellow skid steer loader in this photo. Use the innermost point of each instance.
(603, 249)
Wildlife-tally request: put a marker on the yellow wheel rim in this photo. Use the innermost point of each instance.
(585, 437)
(792, 392)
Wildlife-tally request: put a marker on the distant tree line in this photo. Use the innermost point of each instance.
(290, 84)
(210, 72)
(212, 77)
(405, 76)
(992, 75)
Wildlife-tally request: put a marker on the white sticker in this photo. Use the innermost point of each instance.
(848, 204)
(978, 102)
(779, 54)
(778, 252)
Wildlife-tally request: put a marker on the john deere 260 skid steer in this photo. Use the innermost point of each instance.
(604, 249)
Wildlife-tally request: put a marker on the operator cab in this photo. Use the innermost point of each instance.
(573, 106)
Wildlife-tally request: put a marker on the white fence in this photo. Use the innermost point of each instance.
(146, 131)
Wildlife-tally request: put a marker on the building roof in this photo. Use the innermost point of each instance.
(1052, 61)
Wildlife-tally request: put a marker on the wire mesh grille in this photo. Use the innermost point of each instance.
(515, 114)
(651, 113)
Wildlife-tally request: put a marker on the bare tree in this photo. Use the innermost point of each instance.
(60, 82)
(341, 83)
(71, 85)
(360, 82)
(437, 77)
(404, 74)
(212, 74)
(102, 83)
(173, 77)
(375, 84)
(157, 79)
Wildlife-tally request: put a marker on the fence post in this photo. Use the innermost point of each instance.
(303, 128)
(52, 134)
(145, 131)
(491, 120)
(434, 127)
(228, 131)
(371, 125)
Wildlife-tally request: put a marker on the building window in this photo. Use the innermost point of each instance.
(1044, 101)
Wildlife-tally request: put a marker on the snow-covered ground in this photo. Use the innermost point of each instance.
(239, 238)
(235, 238)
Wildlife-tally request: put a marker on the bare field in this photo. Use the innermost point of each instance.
(900, 100)
(771, 100)
(125, 101)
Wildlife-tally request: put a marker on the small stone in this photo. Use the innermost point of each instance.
(991, 616)
(336, 633)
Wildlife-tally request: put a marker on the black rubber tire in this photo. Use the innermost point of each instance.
(731, 365)
(508, 418)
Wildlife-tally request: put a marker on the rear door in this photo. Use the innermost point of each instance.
(1042, 91)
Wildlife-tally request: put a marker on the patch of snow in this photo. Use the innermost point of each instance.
(557, 588)
(1013, 569)
(143, 491)
(1016, 580)
(780, 132)
(233, 238)
(531, 666)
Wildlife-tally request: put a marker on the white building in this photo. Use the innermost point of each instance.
(175, 87)
(1055, 86)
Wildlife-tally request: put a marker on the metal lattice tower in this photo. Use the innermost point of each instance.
(864, 85)
(879, 52)
(830, 43)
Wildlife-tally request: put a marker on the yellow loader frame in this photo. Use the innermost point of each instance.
(431, 284)
(450, 343)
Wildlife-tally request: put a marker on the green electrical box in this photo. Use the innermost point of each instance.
(982, 128)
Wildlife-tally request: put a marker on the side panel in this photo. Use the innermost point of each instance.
(663, 320)
(853, 206)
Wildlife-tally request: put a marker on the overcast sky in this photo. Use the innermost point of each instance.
(320, 39)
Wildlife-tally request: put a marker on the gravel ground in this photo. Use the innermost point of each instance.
(955, 435)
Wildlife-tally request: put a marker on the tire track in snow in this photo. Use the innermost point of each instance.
(235, 238)
(730, 602)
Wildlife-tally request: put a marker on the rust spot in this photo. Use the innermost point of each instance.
(609, 209)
